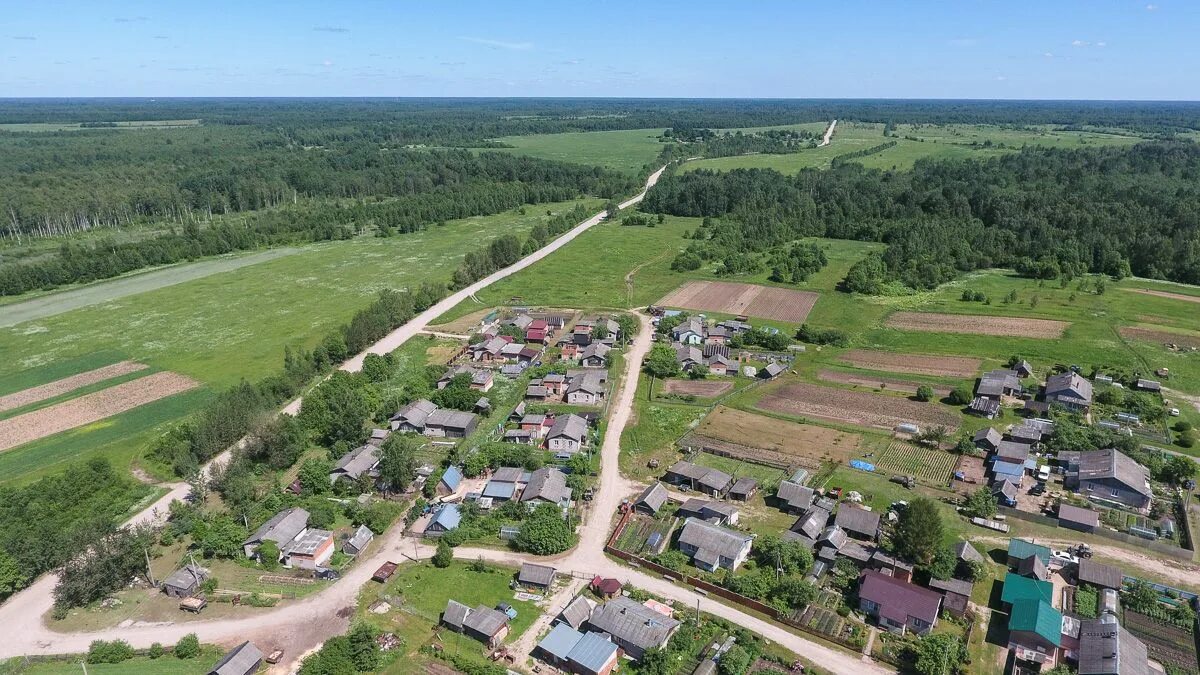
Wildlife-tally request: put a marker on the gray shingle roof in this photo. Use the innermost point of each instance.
(811, 523)
(743, 486)
(415, 413)
(361, 537)
(242, 659)
(795, 495)
(570, 426)
(455, 613)
(952, 586)
(185, 577)
(857, 520)
(965, 551)
(281, 528)
(653, 496)
(709, 538)
(485, 620)
(997, 382)
(538, 575)
(1068, 384)
(1109, 463)
(1106, 648)
(357, 462)
(1013, 452)
(634, 623)
(1099, 574)
(510, 474)
(548, 484)
(577, 612)
(1074, 514)
(989, 436)
(453, 419)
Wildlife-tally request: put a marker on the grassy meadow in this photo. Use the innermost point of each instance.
(220, 328)
(626, 150)
(953, 141)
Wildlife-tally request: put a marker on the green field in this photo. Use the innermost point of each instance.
(954, 141)
(138, 665)
(221, 328)
(628, 150)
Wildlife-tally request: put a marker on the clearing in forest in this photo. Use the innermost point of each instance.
(973, 324)
(90, 408)
(917, 364)
(766, 302)
(68, 384)
(854, 407)
(758, 438)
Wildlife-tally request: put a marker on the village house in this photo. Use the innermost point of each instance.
(1076, 518)
(482, 379)
(712, 482)
(1105, 648)
(577, 612)
(720, 364)
(1026, 434)
(987, 439)
(1035, 631)
(491, 350)
(555, 384)
(1006, 492)
(595, 355)
(651, 499)
(446, 423)
(718, 335)
(378, 436)
(1108, 477)
(858, 522)
(996, 384)
(956, 594)
(310, 550)
(688, 356)
(896, 605)
(585, 389)
(243, 659)
(282, 528)
(795, 497)
(718, 513)
(489, 626)
(568, 436)
(359, 462)
(690, 332)
(712, 547)
(632, 626)
(579, 653)
(547, 485)
(411, 418)
(446, 518)
(743, 489)
(449, 482)
(808, 527)
(1069, 390)
(1010, 451)
(536, 424)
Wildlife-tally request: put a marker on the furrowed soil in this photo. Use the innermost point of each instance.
(790, 441)
(1179, 339)
(90, 408)
(700, 388)
(917, 364)
(68, 384)
(766, 302)
(978, 325)
(853, 407)
(891, 384)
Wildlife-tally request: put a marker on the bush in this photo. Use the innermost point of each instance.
(819, 336)
(156, 650)
(1188, 438)
(959, 396)
(109, 652)
(1182, 426)
(188, 647)
(444, 554)
(924, 393)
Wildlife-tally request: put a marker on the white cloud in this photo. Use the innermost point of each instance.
(1151, 7)
(1079, 43)
(1001, 78)
(327, 63)
(1048, 55)
(499, 44)
(1102, 44)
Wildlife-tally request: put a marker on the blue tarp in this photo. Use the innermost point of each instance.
(861, 465)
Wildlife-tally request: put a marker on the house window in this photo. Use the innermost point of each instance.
(1116, 492)
(869, 605)
(917, 623)
(1090, 487)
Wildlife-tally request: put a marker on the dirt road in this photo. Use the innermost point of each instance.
(828, 134)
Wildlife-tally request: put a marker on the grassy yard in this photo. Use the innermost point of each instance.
(138, 665)
(627, 150)
(418, 594)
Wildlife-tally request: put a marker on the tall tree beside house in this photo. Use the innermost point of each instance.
(545, 532)
(338, 408)
(981, 503)
(940, 654)
(660, 363)
(109, 565)
(398, 461)
(444, 555)
(919, 533)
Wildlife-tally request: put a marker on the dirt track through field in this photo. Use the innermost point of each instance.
(917, 364)
(973, 324)
(67, 384)
(854, 407)
(766, 302)
(889, 383)
(1166, 294)
(90, 408)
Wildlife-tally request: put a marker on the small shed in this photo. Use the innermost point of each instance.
(241, 660)
(184, 582)
(956, 594)
(606, 587)
(743, 489)
(358, 541)
(1099, 574)
(1076, 518)
(536, 577)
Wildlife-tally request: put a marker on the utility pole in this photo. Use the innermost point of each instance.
(149, 572)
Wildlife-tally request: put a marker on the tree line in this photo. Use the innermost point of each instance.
(1046, 212)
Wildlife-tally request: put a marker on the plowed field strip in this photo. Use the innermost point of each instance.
(973, 324)
(917, 364)
(68, 384)
(853, 407)
(888, 383)
(1184, 340)
(766, 302)
(90, 408)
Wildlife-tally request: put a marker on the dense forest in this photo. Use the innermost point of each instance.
(1045, 212)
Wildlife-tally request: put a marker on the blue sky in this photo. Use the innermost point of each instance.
(1098, 49)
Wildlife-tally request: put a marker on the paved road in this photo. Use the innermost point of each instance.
(828, 134)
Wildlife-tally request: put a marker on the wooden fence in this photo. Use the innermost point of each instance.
(1156, 546)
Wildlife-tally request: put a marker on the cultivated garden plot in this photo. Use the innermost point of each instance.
(90, 408)
(853, 407)
(68, 384)
(974, 324)
(917, 364)
(924, 464)
(766, 302)
(758, 438)
(888, 383)
(1165, 642)
(698, 388)
(1181, 339)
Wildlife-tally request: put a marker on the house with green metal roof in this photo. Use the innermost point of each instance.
(1017, 588)
(1019, 549)
(1035, 631)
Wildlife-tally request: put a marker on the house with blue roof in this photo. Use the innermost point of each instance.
(445, 519)
(1012, 471)
(579, 653)
(451, 479)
